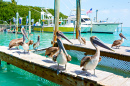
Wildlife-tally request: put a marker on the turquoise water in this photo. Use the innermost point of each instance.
(13, 76)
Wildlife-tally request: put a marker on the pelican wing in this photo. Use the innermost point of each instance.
(83, 39)
(15, 42)
(84, 60)
(51, 50)
(34, 45)
(116, 42)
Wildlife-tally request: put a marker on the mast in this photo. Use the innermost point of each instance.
(96, 15)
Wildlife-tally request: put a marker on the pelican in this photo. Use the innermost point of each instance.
(24, 32)
(90, 62)
(117, 43)
(17, 42)
(81, 39)
(25, 45)
(52, 50)
(35, 45)
(61, 56)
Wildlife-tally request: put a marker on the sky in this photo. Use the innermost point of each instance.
(114, 10)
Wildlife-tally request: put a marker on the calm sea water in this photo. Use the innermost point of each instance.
(13, 76)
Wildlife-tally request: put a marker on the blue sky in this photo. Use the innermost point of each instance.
(114, 10)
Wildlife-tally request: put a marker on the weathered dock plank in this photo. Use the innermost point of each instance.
(46, 68)
(121, 54)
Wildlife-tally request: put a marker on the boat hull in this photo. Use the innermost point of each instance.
(103, 28)
(63, 29)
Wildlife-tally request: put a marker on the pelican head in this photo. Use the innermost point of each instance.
(60, 34)
(122, 36)
(96, 42)
(24, 32)
(61, 47)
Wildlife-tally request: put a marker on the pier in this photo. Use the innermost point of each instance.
(46, 68)
(123, 53)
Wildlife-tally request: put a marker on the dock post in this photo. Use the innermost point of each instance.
(121, 27)
(74, 29)
(17, 14)
(56, 19)
(29, 22)
(96, 15)
(78, 17)
(0, 62)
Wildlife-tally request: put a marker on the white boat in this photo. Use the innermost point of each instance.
(86, 25)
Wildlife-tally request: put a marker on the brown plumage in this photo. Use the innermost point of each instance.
(30, 42)
(117, 43)
(51, 51)
(15, 42)
(85, 60)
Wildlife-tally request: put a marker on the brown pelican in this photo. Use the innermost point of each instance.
(90, 62)
(35, 45)
(81, 39)
(52, 50)
(61, 57)
(24, 32)
(17, 42)
(117, 43)
(25, 45)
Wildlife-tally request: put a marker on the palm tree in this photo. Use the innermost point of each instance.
(13, 1)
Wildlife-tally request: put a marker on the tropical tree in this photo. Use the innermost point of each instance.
(13, 2)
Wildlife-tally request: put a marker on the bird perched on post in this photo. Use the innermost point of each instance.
(81, 39)
(90, 62)
(117, 43)
(35, 45)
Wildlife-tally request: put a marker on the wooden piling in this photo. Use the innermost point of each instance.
(0, 62)
(29, 22)
(56, 19)
(17, 14)
(78, 17)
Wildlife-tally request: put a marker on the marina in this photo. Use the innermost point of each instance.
(87, 56)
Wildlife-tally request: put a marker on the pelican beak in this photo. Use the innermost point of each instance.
(63, 36)
(61, 46)
(123, 36)
(96, 42)
(24, 33)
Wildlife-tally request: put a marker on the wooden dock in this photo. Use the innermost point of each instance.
(46, 68)
(121, 54)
